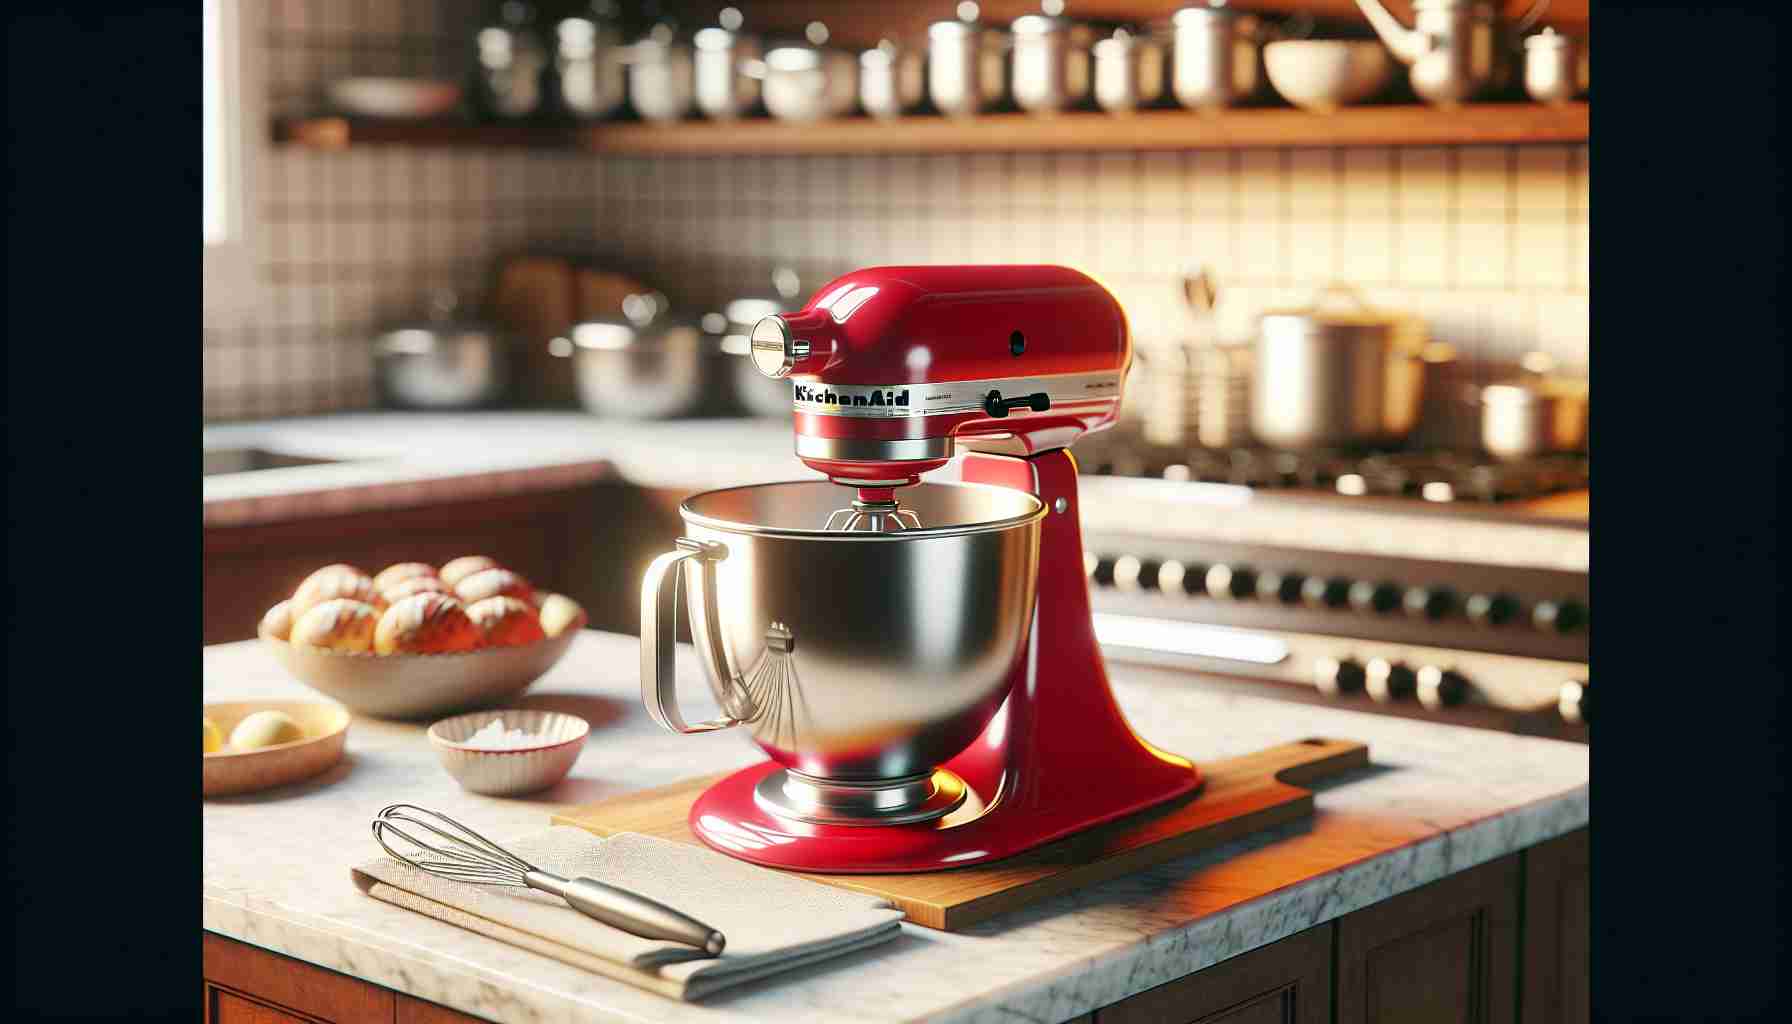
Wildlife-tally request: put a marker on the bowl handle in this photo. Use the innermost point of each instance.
(659, 615)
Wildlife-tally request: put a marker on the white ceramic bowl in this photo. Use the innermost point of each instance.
(414, 685)
(510, 772)
(1322, 75)
(394, 97)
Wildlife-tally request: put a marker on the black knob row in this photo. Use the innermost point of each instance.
(1390, 681)
(1368, 597)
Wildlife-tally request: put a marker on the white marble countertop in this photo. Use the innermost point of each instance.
(409, 458)
(276, 864)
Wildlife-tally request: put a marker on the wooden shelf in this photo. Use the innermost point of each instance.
(1406, 125)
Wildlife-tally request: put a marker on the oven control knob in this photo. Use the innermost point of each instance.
(1490, 609)
(1376, 598)
(1337, 678)
(1325, 593)
(1441, 687)
(1126, 573)
(1563, 616)
(1429, 602)
(1225, 581)
(1103, 573)
(1389, 681)
(1171, 575)
(1575, 701)
(1280, 586)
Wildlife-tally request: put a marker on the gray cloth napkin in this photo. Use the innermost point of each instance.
(773, 921)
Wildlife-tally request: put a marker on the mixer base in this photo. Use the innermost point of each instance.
(790, 794)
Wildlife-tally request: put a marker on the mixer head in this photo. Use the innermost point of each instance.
(891, 367)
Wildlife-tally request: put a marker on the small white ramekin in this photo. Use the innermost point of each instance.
(510, 772)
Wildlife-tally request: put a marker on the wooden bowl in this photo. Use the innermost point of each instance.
(228, 772)
(415, 685)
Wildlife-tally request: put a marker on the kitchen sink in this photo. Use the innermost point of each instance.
(219, 461)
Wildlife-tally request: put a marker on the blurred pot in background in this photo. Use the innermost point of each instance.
(443, 362)
(644, 365)
(1346, 378)
(1537, 415)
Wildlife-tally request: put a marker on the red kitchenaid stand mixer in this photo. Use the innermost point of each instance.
(891, 367)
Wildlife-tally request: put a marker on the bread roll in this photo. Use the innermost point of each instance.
(465, 566)
(339, 624)
(392, 575)
(277, 623)
(332, 582)
(560, 613)
(493, 583)
(265, 729)
(425, 624)
(415, 585)
(505, 622)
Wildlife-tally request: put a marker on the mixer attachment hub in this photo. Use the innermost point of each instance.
(879, 514)
(791, 794)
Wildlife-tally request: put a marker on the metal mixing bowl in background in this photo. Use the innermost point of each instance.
(850, 656)
(810, 82)
(441, 362)
(647, 366)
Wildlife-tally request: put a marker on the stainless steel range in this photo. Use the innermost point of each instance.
(1417, 584)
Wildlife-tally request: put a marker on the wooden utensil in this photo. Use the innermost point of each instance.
(229, 772)
(1241, 795)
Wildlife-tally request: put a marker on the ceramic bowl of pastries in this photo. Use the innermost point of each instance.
(417, 639)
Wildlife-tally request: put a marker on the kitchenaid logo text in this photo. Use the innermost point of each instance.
(875, 397)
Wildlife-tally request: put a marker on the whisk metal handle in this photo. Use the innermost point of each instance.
(630, 912)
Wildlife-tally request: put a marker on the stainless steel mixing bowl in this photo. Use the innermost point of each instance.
(866, 659)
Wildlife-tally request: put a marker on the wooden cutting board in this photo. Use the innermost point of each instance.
(1241, 795)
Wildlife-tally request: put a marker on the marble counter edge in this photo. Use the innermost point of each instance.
(1104, 978)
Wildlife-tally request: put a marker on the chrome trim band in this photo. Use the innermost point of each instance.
(855, 449)
(901, 401)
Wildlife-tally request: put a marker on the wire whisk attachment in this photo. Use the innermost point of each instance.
(874, 516)
(435, 843)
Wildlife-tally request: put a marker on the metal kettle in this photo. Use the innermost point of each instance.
(1456, 49)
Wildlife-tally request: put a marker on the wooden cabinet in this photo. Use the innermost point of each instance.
(1444, 952)
(1557, 924)
(246, 984)
(1286, 982)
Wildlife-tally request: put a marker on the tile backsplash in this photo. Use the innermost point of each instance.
(1488, 243)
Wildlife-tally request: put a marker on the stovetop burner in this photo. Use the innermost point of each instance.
(1436, 476)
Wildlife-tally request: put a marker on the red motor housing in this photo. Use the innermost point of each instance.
(892, 365)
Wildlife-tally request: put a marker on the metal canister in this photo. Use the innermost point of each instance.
(891, 80)
(1129, 72)
(1216, 56)
(1051, 62)
(965, 70)
(724, 90)
(588, 73)
(1553, 69)
(661, 75)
